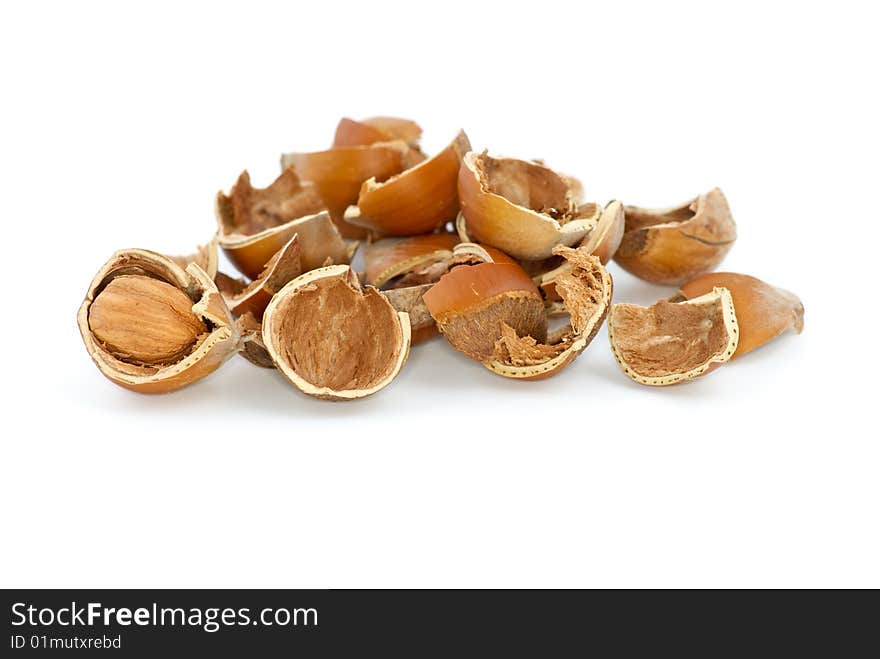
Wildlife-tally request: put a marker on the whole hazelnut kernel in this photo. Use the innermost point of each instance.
(143, 320)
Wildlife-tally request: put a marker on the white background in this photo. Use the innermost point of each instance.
(119, 124)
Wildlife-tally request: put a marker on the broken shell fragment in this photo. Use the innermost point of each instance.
(408, 261)
(604, 240)
(151, 326)
(399, 129)
(671, 342)
(471, 302)
(255, 224)
(334, 339)
(337, 174)
(376, 129)
(420, 199)
(251, 346)
(411, 301)
(521, 207)
(672, 245)
(586, 290)
(252, 298)
(763, 312)
(601, 242)
(205, 257)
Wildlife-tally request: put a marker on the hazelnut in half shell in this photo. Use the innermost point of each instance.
(151, 326)
(672, 245)
(334, 339)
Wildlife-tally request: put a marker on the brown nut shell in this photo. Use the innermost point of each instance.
(398, 129)
(146, 282)
(350, 132)
(251, 343)
(468, 253)
(672, 245)
(411, 301)
(420, 199)
(763, 311)
(586, 289)
(205, 257)
(334, 339)
(252, 298)
(412, 258)
(601, 242)
(672, 342)
(338, 173)
(255, 224)
(521, 207)
(471, 302)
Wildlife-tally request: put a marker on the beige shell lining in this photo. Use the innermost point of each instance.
(247, 210)
(670, 338)
(476, 330)
(585, 290)
(526, 184)
(333, 336)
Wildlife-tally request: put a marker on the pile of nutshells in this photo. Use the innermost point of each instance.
(483, 250)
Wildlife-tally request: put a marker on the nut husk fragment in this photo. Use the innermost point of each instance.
(585, 289)
(205, 257)
(242, 298)
(252, 347)
(671, 342)
(255, 224)
(411, 301)
(471, 303)
(601, 242)
(420, 199)
(338, 173)
(521, 207)
(408, 261)
(672, 245)
(763, 311)
(334, 339)
(151, 326)
(380, 129)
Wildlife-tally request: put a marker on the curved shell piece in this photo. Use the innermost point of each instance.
(671, 342)
(586, 289)
(601, 242)
(672, 245)
(334, 339)
(205, 257)
(418, 200)
(254, 224)
(253, 298)
(763, 311)
(410, 300)
(338, 173)
(389, 258)
(471, 302)
(220, 343)
(350, 132)
(520, 207)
